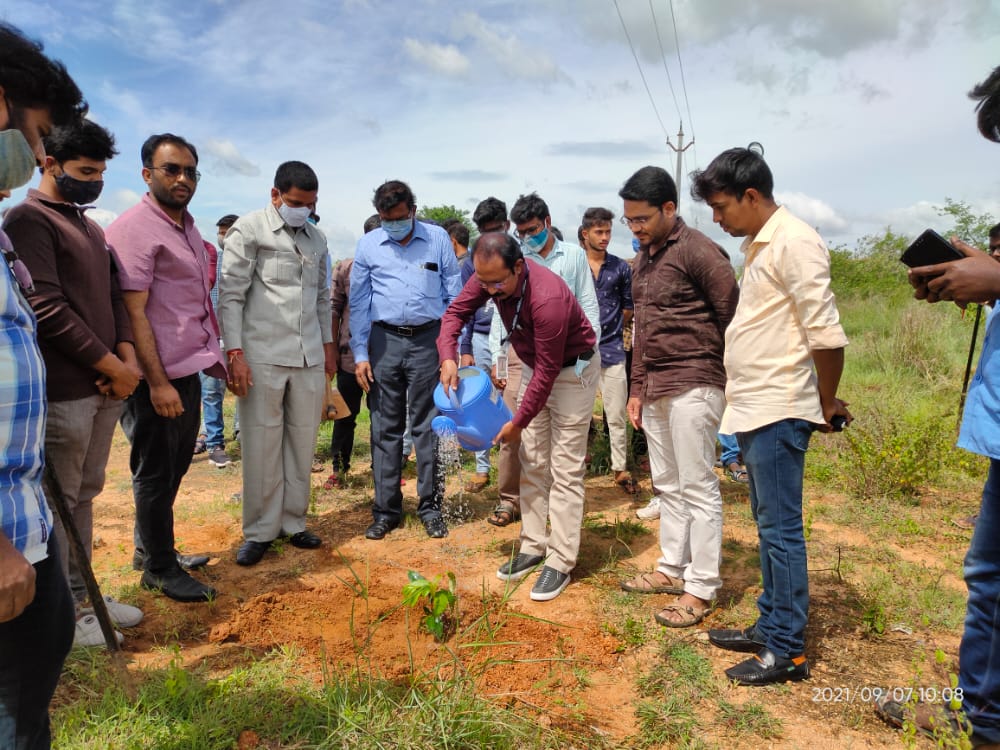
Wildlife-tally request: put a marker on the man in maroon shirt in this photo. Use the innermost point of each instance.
(550, 333)
(84, 334)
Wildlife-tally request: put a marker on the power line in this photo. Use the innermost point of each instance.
(641, 74)
(680, 64)
(663, 57)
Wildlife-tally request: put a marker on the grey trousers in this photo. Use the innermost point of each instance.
(279, 417)
(406, 372)
(77, 445)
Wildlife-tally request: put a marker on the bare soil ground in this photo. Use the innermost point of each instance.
(341, 606)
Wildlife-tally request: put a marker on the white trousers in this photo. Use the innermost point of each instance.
(680, 431)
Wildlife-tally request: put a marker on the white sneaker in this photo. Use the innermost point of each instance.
(123, 615)
(651, 511)
(88, 633)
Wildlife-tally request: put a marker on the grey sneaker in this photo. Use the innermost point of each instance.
(651, 511)
(88, 633)
(519, 567)
(218, 456)
(549, 584)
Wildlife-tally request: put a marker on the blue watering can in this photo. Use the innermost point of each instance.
(474, 411)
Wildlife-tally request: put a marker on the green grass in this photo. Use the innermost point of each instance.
(178, 708)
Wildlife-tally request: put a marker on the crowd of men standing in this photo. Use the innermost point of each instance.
(121, 326)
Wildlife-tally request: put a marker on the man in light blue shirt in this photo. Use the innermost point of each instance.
(404, 276)
(531, 218)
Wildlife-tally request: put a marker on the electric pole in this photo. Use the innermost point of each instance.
(679, 149)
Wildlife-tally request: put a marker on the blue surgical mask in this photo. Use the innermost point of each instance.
(397, 229)
(294, 217)
(17, 160)
(635, 244)
(536, 242)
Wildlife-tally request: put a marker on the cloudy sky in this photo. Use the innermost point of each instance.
(860, 104)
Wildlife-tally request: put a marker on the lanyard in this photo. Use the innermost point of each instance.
(517, 311)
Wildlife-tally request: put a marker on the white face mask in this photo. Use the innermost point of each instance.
(17, 160)
(294, 217)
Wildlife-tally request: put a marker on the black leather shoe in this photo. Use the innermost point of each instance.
(766, 668)
(745, 640)
(250, 553)
(178, 585)
(305, 540)
(436, 528)
(379, 528)
(188, 562)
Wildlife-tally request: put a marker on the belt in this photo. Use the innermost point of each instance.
(586, 357)
(407, 330)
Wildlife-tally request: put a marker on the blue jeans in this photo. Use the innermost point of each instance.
(32, 648)
(730, 450)
(775, 459)
(213, 424)
(484, 361)
(979, 651)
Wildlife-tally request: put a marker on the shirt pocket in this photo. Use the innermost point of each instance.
(279, 268)
(428, 282)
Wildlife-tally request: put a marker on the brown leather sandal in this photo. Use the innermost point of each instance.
(504, 514)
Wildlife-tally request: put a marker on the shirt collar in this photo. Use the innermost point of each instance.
(147, 199)
(765, 234)
(674, 235)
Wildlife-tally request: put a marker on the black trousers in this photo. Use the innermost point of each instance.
(33, 647)
(342, 440)
(406, 372)
(161, 454)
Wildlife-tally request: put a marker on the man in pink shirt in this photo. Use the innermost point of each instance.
(165, 283)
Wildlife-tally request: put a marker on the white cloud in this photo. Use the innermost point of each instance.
(120, 200)
(813, 211)
(228, 159)
(511, 56)
(101, 216)
(445, 59)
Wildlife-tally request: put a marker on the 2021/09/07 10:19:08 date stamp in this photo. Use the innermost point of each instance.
(872, 693)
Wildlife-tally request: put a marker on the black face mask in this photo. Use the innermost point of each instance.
(77, 191)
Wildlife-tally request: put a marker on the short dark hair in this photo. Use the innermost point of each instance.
(82, 138)
(457, 230)
(489, 211)
(579, 234)
(155, 141)
(988, 94)
(995, 231)
(391, 193)
(227, 221)
(596, 215)
(654, 185)
(30, 79)
(528, 207)
(733, 172)
(295, 174)
(498, 244)
(557, 232)
(372, 222)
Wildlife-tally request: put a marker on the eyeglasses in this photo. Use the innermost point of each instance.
(496, 286)
(638, 222)
(175, 170)
(529, 232)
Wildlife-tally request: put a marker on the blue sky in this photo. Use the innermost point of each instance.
(860, 104)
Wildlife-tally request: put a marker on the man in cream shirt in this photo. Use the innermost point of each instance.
(274, 301)
(784, 356)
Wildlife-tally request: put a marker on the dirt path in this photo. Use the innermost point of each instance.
(342, 603)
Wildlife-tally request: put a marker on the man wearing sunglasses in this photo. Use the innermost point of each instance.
(165, 283)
